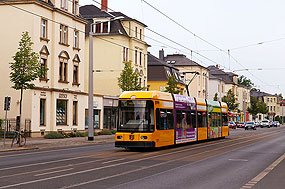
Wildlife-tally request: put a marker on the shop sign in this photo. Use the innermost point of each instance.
(62, 95)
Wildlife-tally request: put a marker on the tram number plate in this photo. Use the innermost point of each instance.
(132, 137)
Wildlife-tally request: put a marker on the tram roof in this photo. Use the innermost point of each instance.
(213, 103)
(200, 101)
(157, 95)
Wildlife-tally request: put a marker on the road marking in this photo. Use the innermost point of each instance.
(47, 162)
(123, 163)
(47, 151)
(261, 175)
(113, 160)
(238, 160)
(48, 173)
(64, 166)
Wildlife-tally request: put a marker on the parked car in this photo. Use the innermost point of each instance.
(257, 124)
(241, 124)
(232, 125)
(265, 123)
(249, 125)
(275, 124)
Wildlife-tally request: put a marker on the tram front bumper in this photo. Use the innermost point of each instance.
(135, 144)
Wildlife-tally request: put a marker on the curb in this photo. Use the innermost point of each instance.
(18, 149)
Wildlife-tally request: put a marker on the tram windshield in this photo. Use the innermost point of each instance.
(136, 116)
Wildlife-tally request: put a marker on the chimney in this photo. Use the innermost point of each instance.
(161, 54)
(104, 5)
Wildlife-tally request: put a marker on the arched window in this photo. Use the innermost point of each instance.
(63, 67)
(44, 53)
(76, 61)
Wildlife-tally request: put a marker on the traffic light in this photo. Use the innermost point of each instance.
(7, 103)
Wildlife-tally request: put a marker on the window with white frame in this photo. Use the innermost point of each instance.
(75, 7)
(63, 32)
(44, 28)
(125, 54)
(76, 39)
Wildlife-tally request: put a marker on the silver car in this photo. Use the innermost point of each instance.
(250, 125)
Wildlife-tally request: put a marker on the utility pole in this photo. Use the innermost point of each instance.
(90, 89)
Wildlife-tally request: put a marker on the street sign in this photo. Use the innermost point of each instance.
(7, 103)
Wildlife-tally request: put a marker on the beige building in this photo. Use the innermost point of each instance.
(117, 39)
(216, 86)
(272, 103)
(243, 98)
(242, 94)
(191, 71)
(57, 31)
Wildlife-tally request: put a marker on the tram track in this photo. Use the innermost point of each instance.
(173, 151)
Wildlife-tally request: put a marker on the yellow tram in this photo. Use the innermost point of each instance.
(155, 119)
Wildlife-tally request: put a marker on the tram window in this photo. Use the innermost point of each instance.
(202, 119)
(164, 119)
(193, 117)
(188, 115)
(179, 119)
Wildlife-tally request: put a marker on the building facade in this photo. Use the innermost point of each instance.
(117, 39)
(272, 103)
(216, 86)
(57, 31)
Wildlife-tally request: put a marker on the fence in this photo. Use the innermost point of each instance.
(12, 127)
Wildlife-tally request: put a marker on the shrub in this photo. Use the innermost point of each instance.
(54, 135)
(79, 134)
(113, 131)
(105, 132)
(95, 133)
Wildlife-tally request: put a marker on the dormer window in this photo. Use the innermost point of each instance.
(105, 27)
(102, 27)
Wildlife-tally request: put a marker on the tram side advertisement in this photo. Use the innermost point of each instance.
(183, 127)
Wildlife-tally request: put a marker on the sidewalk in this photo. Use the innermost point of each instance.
(41, 143)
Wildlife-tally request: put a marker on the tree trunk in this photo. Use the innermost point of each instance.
(21, 101)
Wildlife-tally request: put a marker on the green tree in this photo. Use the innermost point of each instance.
(253, 109)
(172, 85)
(26, 67)
(242, 80)
(262, 107)
(230, 99)
(215, 97)
(129, 80)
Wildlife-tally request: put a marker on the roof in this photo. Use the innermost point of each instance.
(215, 77)
(91, 11)
(154, 61)
(226, 76)
(126, 18)
(259, 94)
(159, 70)
(181, 60)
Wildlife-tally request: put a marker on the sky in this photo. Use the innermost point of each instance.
(227, 24)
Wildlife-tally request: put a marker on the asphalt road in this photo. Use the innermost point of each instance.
(245, 159)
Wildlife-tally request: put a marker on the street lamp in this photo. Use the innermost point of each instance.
(90, 87)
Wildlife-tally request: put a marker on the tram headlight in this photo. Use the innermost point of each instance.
(119, 137)
(143, 137)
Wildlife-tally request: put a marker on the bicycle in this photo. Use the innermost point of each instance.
(18, 138)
